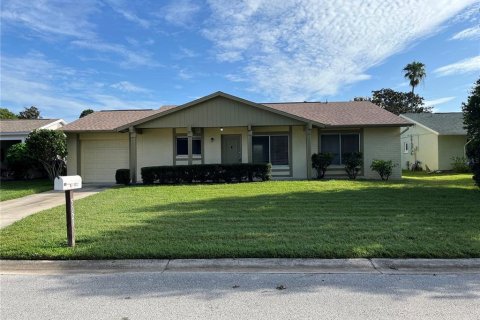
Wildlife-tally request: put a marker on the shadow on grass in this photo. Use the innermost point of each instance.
(420, 222)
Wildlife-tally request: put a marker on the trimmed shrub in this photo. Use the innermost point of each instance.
(206, 172)
(122, 176)
(19, 161)
(320, 162)
(383, 167)
(353, 162)
(460, 165)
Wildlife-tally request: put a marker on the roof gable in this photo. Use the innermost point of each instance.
(220, 111)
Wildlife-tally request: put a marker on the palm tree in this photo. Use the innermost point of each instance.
(415, 72)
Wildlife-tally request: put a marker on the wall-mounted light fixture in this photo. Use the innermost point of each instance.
(221, 129)
(212, 139)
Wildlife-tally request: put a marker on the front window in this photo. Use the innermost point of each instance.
(338, 144)
(182, 146)
(273, 149)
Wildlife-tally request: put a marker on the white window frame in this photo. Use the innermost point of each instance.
(270, 151)
(405, 147)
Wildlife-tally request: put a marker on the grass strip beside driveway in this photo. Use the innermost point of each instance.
(17, 189)
(419, 217)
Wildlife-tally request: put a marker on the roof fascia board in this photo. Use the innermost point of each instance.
(421, 125)
(211, 96)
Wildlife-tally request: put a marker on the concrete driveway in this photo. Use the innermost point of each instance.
(17, 209)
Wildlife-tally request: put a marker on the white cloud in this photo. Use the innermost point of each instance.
(436, 102)
(185, 53)
(305, 50)
(35, 80)
(47, 18)
(470, 33)
(122, 8)
(180, 12)
(464, 66)
(128, 87)
(130, 58)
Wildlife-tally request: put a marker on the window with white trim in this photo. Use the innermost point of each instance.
(182, 146)
(270, 149)
(405, 147)
(338, 144)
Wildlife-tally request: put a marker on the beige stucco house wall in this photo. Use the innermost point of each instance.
(153, 141)
(433, 147)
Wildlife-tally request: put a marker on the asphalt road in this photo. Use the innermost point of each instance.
(176, 295)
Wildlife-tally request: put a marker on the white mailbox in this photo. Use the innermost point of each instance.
(64, 183)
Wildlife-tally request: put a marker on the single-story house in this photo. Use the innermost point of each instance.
(221, 128)
(433, 140)
(14, 131)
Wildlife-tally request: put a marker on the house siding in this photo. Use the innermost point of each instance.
(219, 112)
(423, 146)
(381, 144)
(448, 147)
(154, 148)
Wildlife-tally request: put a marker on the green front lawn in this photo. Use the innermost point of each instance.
(17, 189)
(432, 216)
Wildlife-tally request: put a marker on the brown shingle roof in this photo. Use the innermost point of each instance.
(109, 120)
(23, 125)
(342, 114)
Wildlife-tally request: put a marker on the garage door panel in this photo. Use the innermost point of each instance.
(101, 158)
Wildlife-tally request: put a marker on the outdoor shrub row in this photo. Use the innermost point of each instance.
(122, 176)
(206, 172)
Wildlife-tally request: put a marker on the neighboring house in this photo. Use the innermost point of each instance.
(433, 140)
(221, 128)
(14, 131)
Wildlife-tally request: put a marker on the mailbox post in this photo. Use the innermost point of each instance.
(68, 184)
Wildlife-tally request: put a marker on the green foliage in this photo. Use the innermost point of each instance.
(399, 102)
(49, 147)
(353, 162)
(20, 188)
(383, 167)
(206, 172)
(122, 176)
(320, 162)
(7, 114)
(19, 160)
(86, 112)
(29, 113)
(460, 164)
(471, 120)
(415, 73)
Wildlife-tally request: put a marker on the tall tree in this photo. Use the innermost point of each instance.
(29, 113)
(7, 114)
(415, 73)
(86, 112)
(471, 120)
(399, 102)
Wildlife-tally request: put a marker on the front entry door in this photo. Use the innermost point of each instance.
(231, 148)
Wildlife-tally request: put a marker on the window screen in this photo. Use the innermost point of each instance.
(279, 150)
(182, 146)
(331, 143)
(260, 152)
(350, 143)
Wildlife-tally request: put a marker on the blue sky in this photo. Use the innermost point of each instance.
(66, 56)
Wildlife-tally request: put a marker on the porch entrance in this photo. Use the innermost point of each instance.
(231, 148)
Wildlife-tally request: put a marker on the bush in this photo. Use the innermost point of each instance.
(19, 161)
(206, 172)
(320, 162)
(122, 176)
(460, 164)
(383, 167)
(353, 162)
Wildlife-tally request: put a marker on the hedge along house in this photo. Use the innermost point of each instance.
(221, 128)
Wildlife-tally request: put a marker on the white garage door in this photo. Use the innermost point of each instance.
(101, 158)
